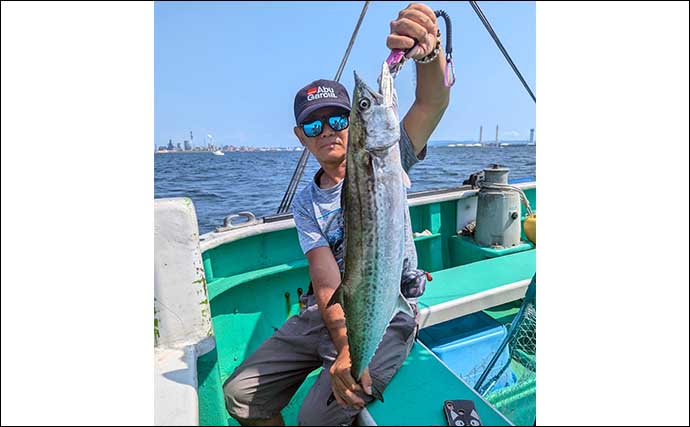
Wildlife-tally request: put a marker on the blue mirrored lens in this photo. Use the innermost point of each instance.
(338, 122)
(313, 128)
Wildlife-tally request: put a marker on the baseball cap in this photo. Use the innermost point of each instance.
(318, 94)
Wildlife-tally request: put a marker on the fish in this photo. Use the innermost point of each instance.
(374, 205)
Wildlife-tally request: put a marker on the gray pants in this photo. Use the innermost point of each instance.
(266, 381)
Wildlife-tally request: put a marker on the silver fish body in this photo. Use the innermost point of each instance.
(374, 212)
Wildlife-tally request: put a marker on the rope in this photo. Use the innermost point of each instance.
(486, 23)
(498, 186)
(449, 74)
(449, 30)
(302, 163)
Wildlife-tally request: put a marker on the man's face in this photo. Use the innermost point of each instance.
(330, 146)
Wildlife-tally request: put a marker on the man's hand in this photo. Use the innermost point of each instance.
(417, 22)
(344, 386)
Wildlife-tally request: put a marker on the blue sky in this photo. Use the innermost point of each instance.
(231, 69)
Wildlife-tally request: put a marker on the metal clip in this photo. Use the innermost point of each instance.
(228, 225)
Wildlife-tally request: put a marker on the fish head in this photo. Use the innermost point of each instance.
(375, 113)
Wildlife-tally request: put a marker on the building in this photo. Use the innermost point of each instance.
(531, 136)
(170, 146)
(187, 146)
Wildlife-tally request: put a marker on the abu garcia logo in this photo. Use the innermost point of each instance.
(320, 92)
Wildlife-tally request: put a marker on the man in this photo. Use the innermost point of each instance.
(267, 380)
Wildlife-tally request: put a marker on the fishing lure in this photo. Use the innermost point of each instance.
(398, 57)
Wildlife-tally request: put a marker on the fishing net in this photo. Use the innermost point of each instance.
(508, 380)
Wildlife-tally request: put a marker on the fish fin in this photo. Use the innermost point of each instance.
(404, 306)
(343, 194)
(385, 82)
(406, 180)
(337, 297)
(376, 393)
(343, 209)
(395, 103)
(370, 164)
(387, 88)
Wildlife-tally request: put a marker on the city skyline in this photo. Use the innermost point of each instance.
(211, 147)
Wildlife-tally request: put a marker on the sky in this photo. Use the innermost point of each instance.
(231, 69)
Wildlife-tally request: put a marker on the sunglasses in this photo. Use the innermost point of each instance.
(337, 122)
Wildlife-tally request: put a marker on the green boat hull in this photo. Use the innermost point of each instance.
(254, 282)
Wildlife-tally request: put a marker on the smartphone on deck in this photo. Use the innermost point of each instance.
(461, 413)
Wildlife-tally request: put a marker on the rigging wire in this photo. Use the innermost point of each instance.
(488, 27)
(302, 162)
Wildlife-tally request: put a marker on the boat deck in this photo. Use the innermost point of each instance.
(416, 394)
(252, 296)
(426, 375)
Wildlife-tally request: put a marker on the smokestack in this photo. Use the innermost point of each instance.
(481, 128)
(496, 134)
(531, 136)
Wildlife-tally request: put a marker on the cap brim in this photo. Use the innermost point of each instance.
(307, 111)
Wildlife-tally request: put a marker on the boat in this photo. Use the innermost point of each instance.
(218, 153)
(218, 296)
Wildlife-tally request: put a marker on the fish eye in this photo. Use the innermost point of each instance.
(364, 103)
